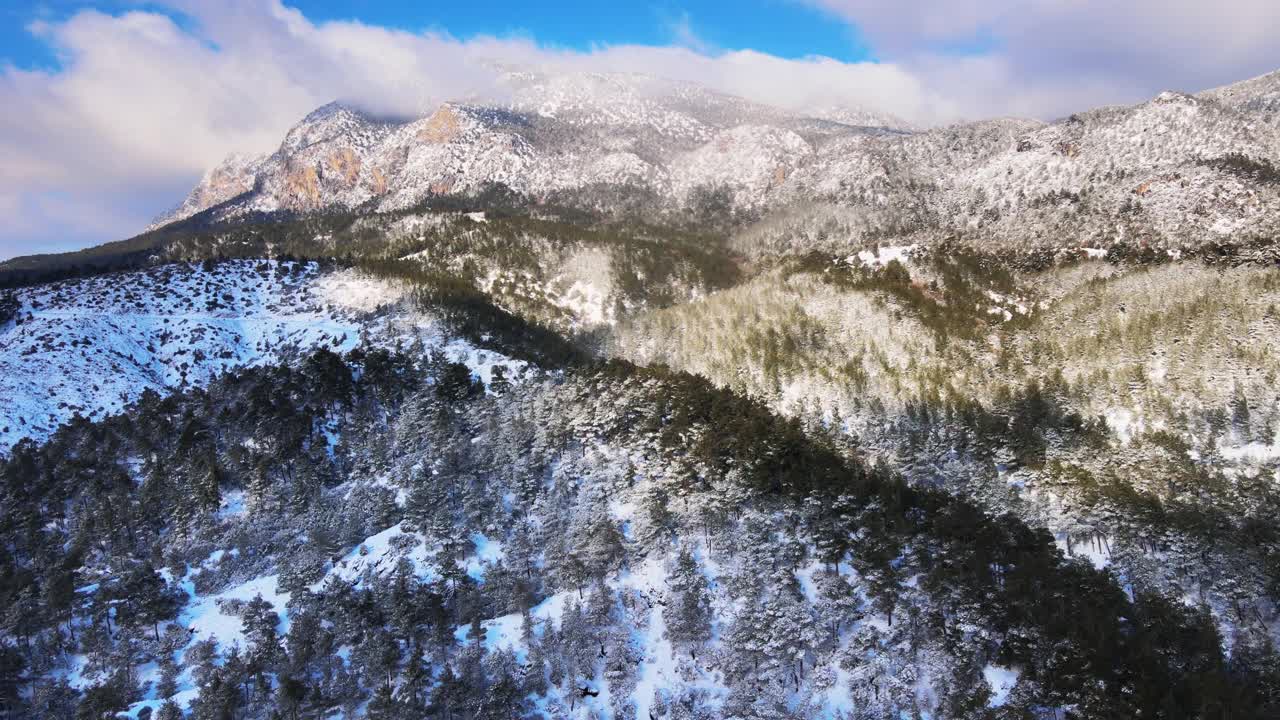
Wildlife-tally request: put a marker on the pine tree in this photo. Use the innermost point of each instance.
(659, 523)
(601, 615)
(688, 610)
(13, 667)
(54, 700)
(521, 550)
(168, 684)
(837, 602)
(498, 382)
(1240, 414)
(576, 646)
(206, 489)
(455, 383)
(427, 504)
(791, 633)
(261, 495)
(504, 697)
(452, 551)
(148, 599)
(260, 621)
(169, 710)
(383, 705)
(476, 632)
(571, 572)
(415, 690)
(597, 540)
(290, 695)
(58, 596)
(450, 695)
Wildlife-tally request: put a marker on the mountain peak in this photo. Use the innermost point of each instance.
(349, 110)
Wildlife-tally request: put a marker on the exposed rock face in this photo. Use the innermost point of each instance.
(234, 176)
(443, 126)
(345, 165)
(377, 181)
(302, 189)
(225, 182)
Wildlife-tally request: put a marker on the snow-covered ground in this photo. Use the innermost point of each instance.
(90, 347)
(1002, 680)
(1254, 452)
(206, 615)
(883, 256)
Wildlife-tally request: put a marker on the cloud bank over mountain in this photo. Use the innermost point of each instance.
(1049, 57)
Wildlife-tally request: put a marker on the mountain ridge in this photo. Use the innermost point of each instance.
(1020, 182)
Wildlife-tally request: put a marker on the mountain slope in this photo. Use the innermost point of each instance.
(609, 543)
(91, 347)
(1178, 171)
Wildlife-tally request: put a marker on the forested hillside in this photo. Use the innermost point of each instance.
(630, 400)
(625, 540)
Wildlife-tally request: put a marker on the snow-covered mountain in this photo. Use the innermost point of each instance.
(1178, 170)
(1260, 96)
(553, 133)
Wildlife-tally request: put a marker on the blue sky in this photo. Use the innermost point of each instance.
(785, 28)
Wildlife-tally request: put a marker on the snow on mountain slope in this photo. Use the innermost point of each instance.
(862, 117)
(231, 178)
(610, 100)
(751, 160)
(1178, 170)
(555, 132)
(90, 347)
(1259, 95)
(1155, 158)
(645, 587)
(458, 149)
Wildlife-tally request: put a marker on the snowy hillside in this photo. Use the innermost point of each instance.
(90, 347)
(601, 544)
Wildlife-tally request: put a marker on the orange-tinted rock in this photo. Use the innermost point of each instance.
(302, 187)
(443, 126)
(345, 165)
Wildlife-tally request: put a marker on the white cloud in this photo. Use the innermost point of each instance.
(1050, 57)
(680, 28)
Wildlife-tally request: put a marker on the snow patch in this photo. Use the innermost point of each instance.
(1002, 681)
(205, 617)
(1122, 422)
(378, 555)
(351, 290)
(1254, 452)
(884, 255)
(1096, 550)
